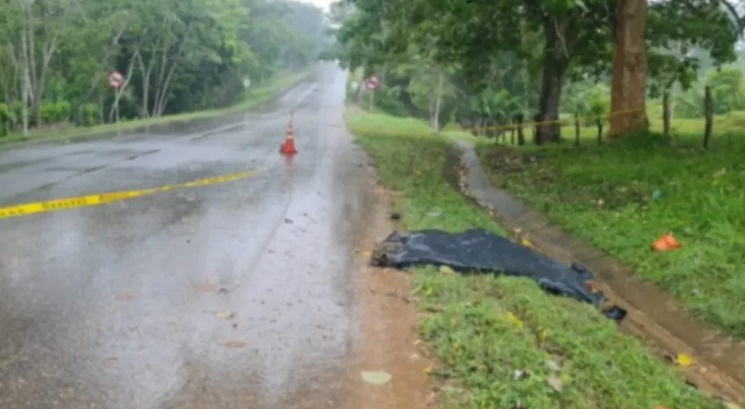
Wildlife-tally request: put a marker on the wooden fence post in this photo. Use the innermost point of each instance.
(666, 114)
(537, 124)
(520, 135)
(576, 129)
(513, 129)
(600, 130)
(709, 113)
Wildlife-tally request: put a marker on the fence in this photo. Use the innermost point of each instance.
(516, 129)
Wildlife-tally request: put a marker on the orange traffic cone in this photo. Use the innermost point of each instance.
(288, 148)
(666, 243)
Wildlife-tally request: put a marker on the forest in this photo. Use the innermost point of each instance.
(174, 56)
(482, 64)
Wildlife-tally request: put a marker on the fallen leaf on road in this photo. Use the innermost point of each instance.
(225, 314)
(235, 344)
(376, 377)
(125, 297)
(684, 360)
(555, 383)
(204, 288)
(109, 363)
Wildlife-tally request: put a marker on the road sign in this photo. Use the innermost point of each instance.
(372, 83)
(116, 79)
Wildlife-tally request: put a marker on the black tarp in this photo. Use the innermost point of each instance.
(479, 251)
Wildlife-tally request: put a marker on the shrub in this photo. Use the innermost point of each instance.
(91, 114)
(54, 112)
(5, 119)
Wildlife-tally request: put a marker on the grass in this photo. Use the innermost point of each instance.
(622, 196)
(256, 97)
(499, 340)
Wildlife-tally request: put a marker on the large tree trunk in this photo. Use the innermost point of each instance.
(555, 65)
(629, 69)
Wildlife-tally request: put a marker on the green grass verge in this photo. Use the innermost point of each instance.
(499, 339)
(623, 196)
(254, 98)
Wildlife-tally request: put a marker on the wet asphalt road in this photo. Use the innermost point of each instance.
(115, 306)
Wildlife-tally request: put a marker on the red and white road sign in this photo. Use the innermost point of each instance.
(116, 79)
(372, 83)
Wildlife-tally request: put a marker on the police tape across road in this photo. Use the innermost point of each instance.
(27, 209)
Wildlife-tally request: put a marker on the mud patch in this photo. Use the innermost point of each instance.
(388, 340)
(653, 315)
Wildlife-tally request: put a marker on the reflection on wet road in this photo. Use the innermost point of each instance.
(228, 296)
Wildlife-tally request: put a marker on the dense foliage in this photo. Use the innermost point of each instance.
(176, 55)
(484, 62)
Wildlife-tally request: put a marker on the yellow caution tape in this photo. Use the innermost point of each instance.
(93, 200)
(525, 124)
(99, 199)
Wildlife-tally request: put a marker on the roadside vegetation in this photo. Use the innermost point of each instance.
(502, 342)
(604, 170)
(623, 196)
(174, 57)
(252, 99)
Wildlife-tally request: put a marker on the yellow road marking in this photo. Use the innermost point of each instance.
(27, 209)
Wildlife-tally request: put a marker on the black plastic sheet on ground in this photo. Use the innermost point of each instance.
(481, 252)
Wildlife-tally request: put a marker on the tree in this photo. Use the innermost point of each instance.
(673, 24)
(574, 38)
(176, 55)
(629, 68)
(493, 27)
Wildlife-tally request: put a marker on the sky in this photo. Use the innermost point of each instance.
(324, 4)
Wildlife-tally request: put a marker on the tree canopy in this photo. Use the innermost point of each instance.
(175, 55)
(531, 49)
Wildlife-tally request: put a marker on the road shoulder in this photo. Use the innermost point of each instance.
(501, 341)
(387, 342)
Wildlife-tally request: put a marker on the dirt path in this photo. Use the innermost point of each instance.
(653, 315)
(387, 339)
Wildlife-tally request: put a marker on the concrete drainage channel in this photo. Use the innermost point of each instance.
(653, 316)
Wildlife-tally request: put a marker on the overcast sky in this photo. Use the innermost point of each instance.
(324, 4)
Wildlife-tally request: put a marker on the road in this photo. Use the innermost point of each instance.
(123, 305)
